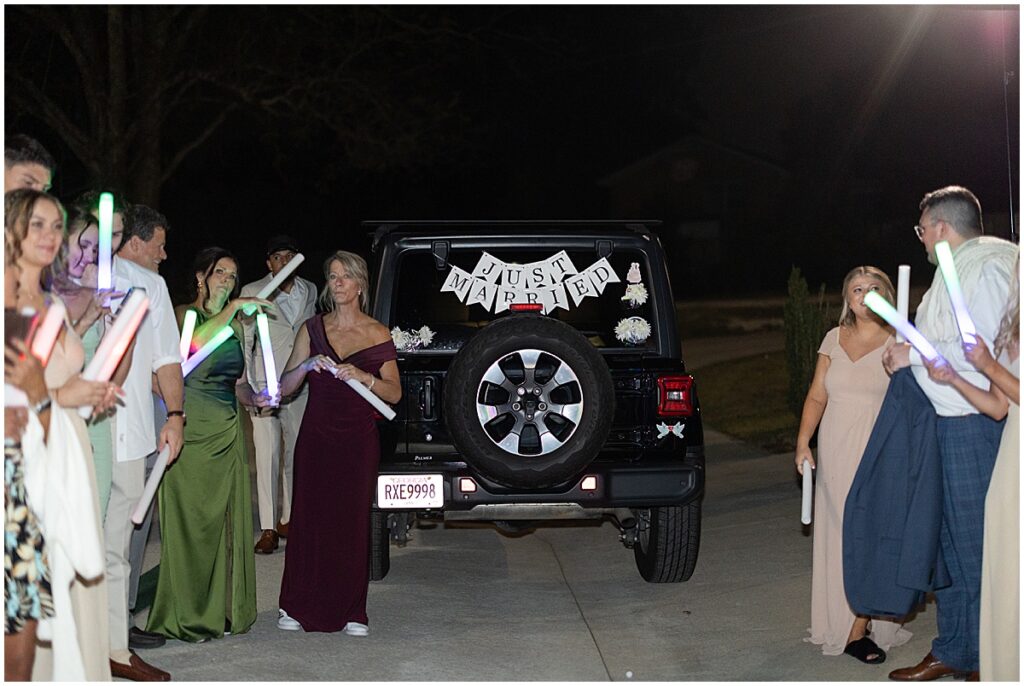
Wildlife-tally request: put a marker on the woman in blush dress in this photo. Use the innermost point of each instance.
(845, 397)
(326, 573)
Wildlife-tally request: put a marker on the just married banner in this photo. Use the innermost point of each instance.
(494, 284)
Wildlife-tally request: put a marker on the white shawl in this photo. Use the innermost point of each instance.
(56, 483)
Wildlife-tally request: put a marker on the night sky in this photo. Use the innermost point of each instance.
(865, 108)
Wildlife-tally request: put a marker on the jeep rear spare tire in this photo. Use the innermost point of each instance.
(528, 401)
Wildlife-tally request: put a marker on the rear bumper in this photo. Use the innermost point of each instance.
(614, 486)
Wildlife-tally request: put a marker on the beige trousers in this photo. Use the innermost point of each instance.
(274, 439)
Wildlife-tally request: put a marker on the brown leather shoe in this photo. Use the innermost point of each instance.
(267, 543)
(137, 670)
(928, 669)
(282, 529)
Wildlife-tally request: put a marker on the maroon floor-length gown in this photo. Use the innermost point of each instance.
(326, 568)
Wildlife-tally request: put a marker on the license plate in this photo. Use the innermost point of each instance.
(404, 491)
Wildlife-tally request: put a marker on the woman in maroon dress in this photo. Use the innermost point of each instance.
(326, 569)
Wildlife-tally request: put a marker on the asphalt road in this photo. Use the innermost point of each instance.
(565, 603)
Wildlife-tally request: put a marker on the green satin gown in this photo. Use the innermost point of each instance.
(207, 579)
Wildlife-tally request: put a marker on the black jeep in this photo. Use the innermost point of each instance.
(542, 379)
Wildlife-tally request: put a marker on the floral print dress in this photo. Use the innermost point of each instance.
(26, 571)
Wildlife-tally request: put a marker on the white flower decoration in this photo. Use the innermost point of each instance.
(636, 294)
(400, 338)
(412, 339)
(633, 330)
(425, 336)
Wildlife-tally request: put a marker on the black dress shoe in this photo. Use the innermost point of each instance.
(141, 640)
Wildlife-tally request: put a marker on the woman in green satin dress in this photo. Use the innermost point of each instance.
(207, 580)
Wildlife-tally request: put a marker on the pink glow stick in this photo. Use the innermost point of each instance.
(46, 335)
(116, 341)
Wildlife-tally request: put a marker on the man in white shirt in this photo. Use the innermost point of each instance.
(156, 354)
(274, 430)
(967, 440)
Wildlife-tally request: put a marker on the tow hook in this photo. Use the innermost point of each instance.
(627, 531)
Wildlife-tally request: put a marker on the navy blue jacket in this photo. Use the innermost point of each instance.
(891, 554)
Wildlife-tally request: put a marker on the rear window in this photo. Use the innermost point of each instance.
(608, 300)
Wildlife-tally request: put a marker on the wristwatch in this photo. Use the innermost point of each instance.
(178, 413)
(42, 406)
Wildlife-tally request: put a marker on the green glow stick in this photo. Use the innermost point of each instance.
(191, 363)
(883, 309)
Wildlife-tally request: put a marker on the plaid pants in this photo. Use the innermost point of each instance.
(967, 448)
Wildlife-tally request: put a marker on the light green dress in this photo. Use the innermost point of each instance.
(207, 578)
(101, 429)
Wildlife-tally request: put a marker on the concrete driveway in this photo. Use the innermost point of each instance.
(565, 603)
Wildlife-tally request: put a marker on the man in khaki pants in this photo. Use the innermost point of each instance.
(274, 430)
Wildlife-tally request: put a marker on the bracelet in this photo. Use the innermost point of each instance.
(176, 413)
(373, 380)
(42, 406)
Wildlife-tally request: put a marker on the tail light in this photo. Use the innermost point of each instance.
(526, 307)
(675, 396)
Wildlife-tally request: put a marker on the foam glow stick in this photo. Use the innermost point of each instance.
(139, 513)
(115, 342)
(268, 354)
(805, 510)
(369, 397)
(883, 309)
(282, 275)
(191, 363)
(188, 327)
(903, 296)
(46, 334)
(103, 272)
(944, 256)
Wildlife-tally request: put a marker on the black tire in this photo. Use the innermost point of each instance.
(667, 551)
(380, 545)
(572, 444)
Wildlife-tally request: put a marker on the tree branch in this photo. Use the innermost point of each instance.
(171, 166)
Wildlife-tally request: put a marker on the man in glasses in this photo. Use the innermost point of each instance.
(274, 430)
(967, 440)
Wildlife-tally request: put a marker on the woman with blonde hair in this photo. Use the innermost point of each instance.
(326, 570)
(845, 397)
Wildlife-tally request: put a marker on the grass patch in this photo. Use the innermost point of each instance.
(746, 399)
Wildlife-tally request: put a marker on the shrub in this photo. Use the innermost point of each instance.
(805, 325)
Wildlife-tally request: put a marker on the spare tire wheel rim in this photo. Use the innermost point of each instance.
(529, 402)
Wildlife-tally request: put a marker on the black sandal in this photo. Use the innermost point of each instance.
(865, 650)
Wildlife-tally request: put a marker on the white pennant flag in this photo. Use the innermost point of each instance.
(561, 266)
(538, 276)
(580, 286)
(602, 274)
(481, 293)
(553, 298)
(488, 268)
(513, 276)
(458, 282)
(505, 297)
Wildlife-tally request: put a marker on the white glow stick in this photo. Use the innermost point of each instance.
(805, 510)
(139, 513)
(883, 309)
(115, 342)
(188, 327)
(944, 256)
(369, 397)
(106, 240)
(46, 334)
(268, 354)
(903, 296)
(191, 363)
(282, 275)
